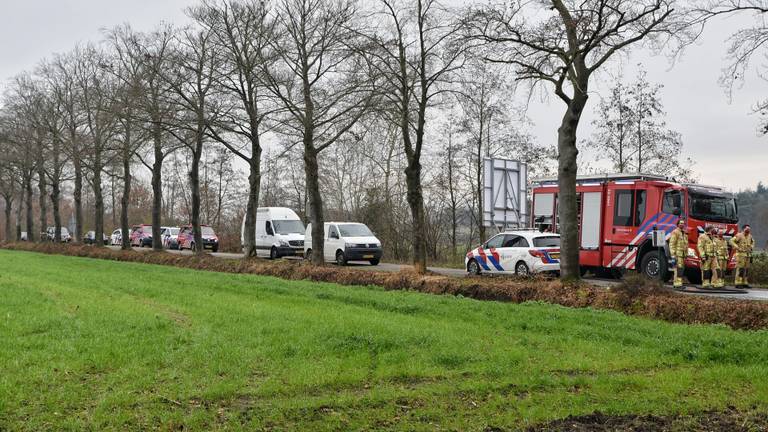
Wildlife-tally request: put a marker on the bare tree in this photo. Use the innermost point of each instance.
(322, 82)
(130, 69)
(62, 71)
(190, 75)
(242, 31)
(631, 131)
(418, 50)
(97, 88)
(563, 43)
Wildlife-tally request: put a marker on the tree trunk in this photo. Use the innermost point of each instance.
(98, 202)
(416, 203)
(194, 186)
(315, 202)
(8, 222)
(42, 199)
(254, 185)
(55, 197)
(125, 200)
(56, 185)
(157, 191)
(566, 179)
(19, 210)
(479, 187)
(78, 198)
(30, 214)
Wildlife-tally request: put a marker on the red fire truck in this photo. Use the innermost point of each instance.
(618, 214)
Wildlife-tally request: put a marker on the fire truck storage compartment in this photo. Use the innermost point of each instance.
(591, 220)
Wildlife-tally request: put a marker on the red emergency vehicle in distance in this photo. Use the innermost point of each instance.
(619, 212)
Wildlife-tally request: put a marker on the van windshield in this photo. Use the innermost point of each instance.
(288, 226)
(354, 230)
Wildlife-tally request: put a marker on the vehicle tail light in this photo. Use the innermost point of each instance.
(536, 253)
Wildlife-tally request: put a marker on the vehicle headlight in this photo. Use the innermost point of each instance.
(284, 243)
(692, 253)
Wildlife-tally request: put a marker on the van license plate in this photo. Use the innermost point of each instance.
(368, 256)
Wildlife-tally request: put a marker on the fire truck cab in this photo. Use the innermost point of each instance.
(619, 214)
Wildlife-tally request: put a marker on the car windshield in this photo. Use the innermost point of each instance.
(354, 230)
(207, 231)
(173, 231)
(288, 226)
(713, 208)
(548, 241)
(64, 231)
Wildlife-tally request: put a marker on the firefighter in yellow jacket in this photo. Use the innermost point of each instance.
(678, 248)
(742, 244)
(709, 266)
(721, 252)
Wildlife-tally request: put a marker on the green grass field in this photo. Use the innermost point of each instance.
(100, 345)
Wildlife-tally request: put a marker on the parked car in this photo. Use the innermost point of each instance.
(24, 236)
(279, 233)
(90, 238)
(141, 235)
(346, 241)
(186, 238)
(50, 234)
(516, 252)
(171, 237)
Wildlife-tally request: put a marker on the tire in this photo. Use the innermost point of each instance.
(473, 268)
(273, 253)
(583, 271)
(340, 258)
(308, 255)
(215, 249)
(521, 269)
(192, 247)
(374, 262)
(653, 265)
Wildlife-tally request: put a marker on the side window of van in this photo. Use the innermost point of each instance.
(333, 232)
(269, 228)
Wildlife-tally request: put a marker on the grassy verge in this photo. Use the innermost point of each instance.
(643, 299)
(101, 345)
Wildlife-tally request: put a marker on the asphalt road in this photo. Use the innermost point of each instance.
(752, 294)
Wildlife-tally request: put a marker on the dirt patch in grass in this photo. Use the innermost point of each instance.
(635, 297)
(726, 421)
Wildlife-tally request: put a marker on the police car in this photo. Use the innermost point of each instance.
(516, 252)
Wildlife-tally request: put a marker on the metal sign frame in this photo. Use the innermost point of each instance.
(505, 193)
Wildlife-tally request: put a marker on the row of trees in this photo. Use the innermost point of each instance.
(364, 94)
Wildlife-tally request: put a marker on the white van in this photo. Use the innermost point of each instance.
(279, 233)
(346, 241)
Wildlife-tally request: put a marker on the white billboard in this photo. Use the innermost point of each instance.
(505, 191)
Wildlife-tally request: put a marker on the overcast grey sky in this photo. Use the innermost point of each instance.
(720, 135)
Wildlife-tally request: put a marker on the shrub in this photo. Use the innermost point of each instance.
(634, 297)
(758, 273)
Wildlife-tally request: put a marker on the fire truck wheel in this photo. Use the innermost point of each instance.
(653, 266)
